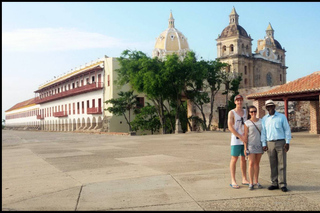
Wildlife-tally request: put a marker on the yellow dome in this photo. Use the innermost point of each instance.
(170, 41)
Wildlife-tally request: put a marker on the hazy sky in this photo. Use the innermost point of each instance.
(41, 40)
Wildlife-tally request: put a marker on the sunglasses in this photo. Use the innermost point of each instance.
(253, 111)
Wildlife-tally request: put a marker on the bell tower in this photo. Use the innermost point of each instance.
(233, 17)
(270, 31)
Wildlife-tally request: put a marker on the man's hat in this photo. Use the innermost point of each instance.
(238, 97)
(270, 103)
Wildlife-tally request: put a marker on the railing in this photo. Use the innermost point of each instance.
(94, 110)
(75, 91)
(40, 117)
(60, 114)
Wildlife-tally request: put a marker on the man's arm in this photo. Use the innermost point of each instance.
(287, 131)
(263, 135)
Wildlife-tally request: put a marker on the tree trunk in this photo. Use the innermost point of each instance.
(211, 109)
(227, 105)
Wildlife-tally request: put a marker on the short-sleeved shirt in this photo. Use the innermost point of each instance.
(254, 137)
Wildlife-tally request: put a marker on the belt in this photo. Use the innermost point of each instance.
(276, 140)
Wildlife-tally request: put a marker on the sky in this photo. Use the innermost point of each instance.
(41, 40)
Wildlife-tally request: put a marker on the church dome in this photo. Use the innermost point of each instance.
(232, 30)
(278, 45)
(170, 41)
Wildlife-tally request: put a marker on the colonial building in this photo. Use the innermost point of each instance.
(265, 67)
(73, 101)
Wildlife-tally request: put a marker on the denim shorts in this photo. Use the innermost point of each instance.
(237, 150)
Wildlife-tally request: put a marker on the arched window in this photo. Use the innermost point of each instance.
(224, 48)
(231, 48)
(245, 70)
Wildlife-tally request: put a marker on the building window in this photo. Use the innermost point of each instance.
(140, 101)
(69, 109)
(231, 48)
(74, 108)
(93, 103)
(88, 104)
(280, 78)
(92, 79)
(245, 70)
(82, 107)
(78, 108)
(108, 80)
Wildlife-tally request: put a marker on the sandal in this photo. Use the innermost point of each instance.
(259, 185)
(235, 186)
(251, 187)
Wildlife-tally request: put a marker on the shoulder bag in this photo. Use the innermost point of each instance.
(255, 126)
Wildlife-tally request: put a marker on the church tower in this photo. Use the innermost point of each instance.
(271, 50)
(235, 48)
(170, 41)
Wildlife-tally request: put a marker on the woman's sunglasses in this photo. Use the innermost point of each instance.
(253, 111)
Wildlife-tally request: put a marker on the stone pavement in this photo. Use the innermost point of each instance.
(82, 171)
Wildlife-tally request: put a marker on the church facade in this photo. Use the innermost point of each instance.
(265, 67)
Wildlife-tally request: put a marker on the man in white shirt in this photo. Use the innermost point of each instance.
(236, 119)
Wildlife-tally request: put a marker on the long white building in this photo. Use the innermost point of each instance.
(73, 101)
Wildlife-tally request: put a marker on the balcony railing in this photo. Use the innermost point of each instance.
(40, 117)
(94, 110)
(60, 114)
(75, 91)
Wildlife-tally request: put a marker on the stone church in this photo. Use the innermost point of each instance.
(265, 67)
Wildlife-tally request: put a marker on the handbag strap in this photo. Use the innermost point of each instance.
(255, 126)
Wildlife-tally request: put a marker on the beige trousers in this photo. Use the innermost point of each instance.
(278, 163)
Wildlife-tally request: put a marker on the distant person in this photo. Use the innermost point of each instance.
(236, 119)
(275, 138)
(252, 132)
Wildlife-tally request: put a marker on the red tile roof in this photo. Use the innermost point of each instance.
(307, 84)
(22, 104)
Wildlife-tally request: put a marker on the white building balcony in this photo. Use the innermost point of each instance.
(71, 92)
(94, 110)
(60, 114)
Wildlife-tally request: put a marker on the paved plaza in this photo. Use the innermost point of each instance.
(85, 171)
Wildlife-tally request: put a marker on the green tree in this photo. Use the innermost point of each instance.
(162, 81)
(235, 83)
(126, 102)
(144, 74)
(204, 84)
(146, 119)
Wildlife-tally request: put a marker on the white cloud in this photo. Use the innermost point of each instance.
(59, 39)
